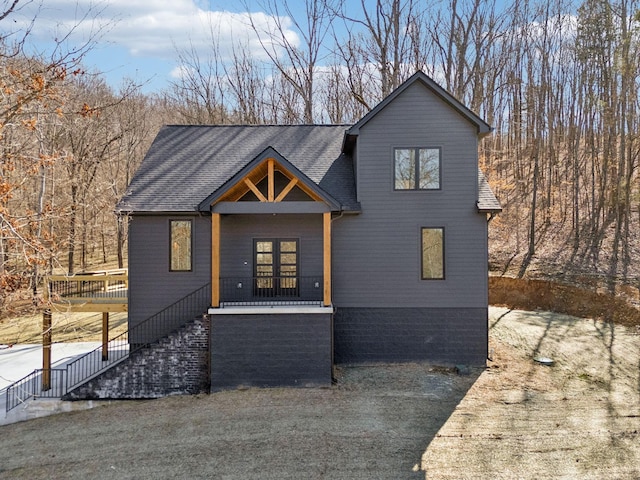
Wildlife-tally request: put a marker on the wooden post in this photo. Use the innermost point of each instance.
(215, 260)
(105, 336)
(327, 257)
(271, 180)
(46, 349)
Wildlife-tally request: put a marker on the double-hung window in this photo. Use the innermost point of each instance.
(417, 168)
(432, 243)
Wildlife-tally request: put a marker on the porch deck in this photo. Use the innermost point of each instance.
(102, 291)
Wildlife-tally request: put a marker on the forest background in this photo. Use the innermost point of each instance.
(557, 79)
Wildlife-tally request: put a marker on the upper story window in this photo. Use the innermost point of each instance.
(417, 168)
(180, 249)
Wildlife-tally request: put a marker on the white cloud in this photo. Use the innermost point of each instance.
(153, 28)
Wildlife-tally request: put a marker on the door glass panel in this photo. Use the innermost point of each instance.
(288, 246)
(264, 258)
(276, 268)
(264, 283)
(288, 258)
(264, 246)
(288, 270)
(264, 271)
(288, 282)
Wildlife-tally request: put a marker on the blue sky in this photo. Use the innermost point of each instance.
(138, 39)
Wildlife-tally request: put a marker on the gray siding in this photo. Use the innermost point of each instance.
(438, 335)
(376, 255)
(270, 350)
(152, 286)
(238, 232)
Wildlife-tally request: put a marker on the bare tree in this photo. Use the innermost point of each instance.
(31, 98)
(296, 64)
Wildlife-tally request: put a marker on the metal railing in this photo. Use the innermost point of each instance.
(30, 386)
(267, 290)
(89, 365)
(139, 336)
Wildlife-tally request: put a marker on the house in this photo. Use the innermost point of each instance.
(318, 244)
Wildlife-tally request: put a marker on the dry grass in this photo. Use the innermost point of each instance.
(528, 294)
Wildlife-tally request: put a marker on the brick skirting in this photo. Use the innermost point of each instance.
(177, 364)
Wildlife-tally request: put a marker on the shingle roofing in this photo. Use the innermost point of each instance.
(487, 201)
(187, 163)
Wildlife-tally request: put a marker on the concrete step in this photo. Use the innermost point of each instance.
(42, 407)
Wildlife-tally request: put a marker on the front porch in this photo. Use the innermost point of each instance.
(271, 312)
(260, 259)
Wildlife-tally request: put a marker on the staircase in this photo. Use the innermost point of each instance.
(153, 331)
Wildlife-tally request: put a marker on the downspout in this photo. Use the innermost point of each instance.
(333, 376)
(492, 214)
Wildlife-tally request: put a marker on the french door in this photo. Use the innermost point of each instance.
(276, 267)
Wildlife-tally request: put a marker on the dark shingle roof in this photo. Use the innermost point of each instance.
(487, 201)
(187, 163)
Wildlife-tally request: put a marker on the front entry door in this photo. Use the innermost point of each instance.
(276, 268)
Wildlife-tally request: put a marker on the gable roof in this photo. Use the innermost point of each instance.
(187, 164)
(422, 78)
(267, 153)
(188, 167)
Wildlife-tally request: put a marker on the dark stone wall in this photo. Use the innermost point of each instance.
(439, 335)
(270, 350)
(178, 364)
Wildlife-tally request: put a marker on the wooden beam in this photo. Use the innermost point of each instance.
(94, 306)
(301, 185)
(105, 336)
(255, 190)
(46, 349)
(120, 277)
(326, 230)
(287, 189)
(271, 180)
(215, 260)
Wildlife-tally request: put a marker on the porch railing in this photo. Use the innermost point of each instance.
(95, 284)
(267, 290)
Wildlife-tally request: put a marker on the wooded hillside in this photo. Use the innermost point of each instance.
(558, 80)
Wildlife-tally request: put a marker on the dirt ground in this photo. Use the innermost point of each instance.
(516, 419)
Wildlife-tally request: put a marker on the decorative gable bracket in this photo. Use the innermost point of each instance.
(263, 186)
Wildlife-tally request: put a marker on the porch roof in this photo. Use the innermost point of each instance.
(487, 201)
(186, 163)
